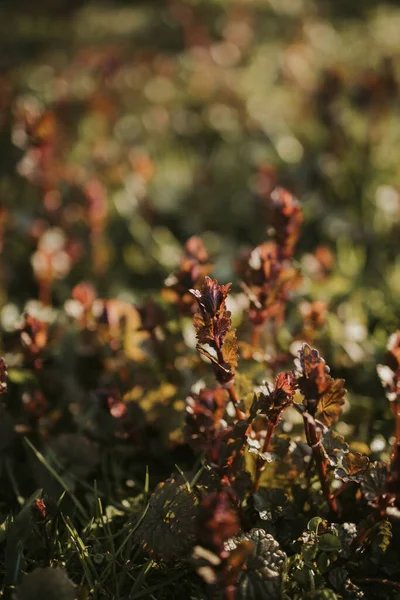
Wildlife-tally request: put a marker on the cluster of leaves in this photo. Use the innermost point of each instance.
(248, 510)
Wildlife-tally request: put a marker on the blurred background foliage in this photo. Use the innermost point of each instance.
(127, 127)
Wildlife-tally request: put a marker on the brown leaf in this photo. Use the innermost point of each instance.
(354, 465)
(204, 329)
(286, 217)
(272, 403)
(217, 521)
(230, 350)
(211, 298)
(323, 395)
(331, 402)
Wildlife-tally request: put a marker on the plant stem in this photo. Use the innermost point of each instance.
(340, 490)
(395, 584)
(320, 462)
(235, 401)
(260, 465)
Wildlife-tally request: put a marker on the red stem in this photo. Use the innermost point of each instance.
(320, 463)
(260, 465)
(235, 401)
(340, 490)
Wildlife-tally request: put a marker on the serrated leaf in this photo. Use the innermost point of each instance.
(230, 350)
(261, 577)
(353, 467)
(381, 537)
(167, 530)
(335, 447)
(204, 330)
(338, 577)
(212, 296)
(374, 481)
(270, 504)
(331, 402)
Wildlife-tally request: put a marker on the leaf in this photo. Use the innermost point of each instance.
(328, 542)
(168, 528)
(335, 447)
(314, 524)
(286, 218)
(205, 428)
(211, 298)
(213, 327)
(261, 575)
(217, 521)
(271, 504)
(338, 577)
(374, 481)
(230, 350)
(330, 403)
(309, 360)
(47, 583)
(353, 467)
(323, 395)
(204, 329)
(272, 403)
(212, 359)
(380, 540)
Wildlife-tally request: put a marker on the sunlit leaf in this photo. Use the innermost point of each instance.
(230, 350)
(335, 446)
(353, 467)
(331, 402)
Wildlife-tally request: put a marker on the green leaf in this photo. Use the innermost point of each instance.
(381, 538)
(323, 562)
(328, 542)
(335, 446)
(313, 524)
